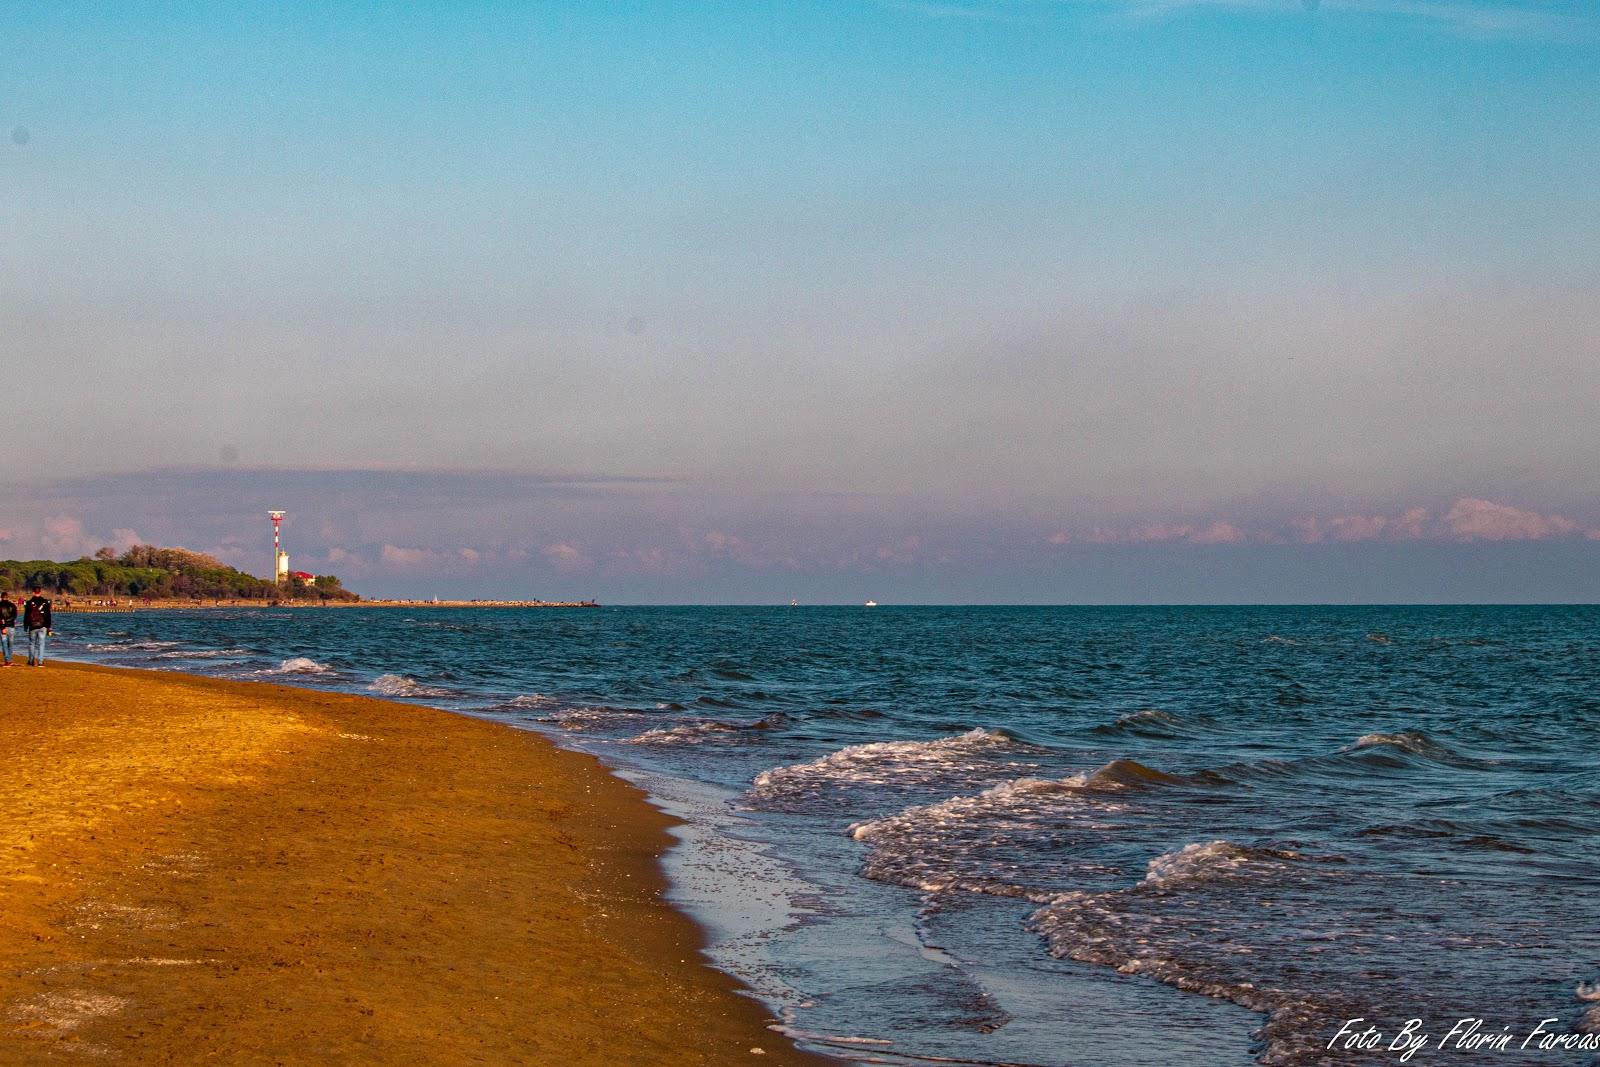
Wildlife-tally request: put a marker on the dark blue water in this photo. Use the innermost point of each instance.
(1059, 835)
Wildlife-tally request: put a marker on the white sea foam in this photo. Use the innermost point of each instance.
(888, 763)
(1413, 741)
(584, 718)
(398, 685)
(688, 733)
(531, 700)
(300, 665)
(1197, 861)
(957, 843)
(133, 646)
(204, 653)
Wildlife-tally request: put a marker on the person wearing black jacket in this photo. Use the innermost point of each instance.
(8, 619)
(36, 620)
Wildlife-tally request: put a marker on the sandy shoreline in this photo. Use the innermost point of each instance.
(200, 870)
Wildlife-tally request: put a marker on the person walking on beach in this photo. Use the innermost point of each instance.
(8, 619)
(36, 620)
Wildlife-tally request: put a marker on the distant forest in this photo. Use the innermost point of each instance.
(148, 571)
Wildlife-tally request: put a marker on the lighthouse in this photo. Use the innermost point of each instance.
(280, 558)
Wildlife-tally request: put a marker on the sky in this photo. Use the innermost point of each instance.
(919, 300)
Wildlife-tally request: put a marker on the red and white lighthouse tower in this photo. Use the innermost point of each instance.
(280, 560)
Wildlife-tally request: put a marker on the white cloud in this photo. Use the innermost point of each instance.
(397, 556)
(1472, 519)
(565, 555)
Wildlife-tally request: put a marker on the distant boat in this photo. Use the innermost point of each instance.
(872, 603)
(794, 603)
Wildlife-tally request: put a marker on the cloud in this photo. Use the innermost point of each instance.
(1412, 524)
(1468, 519)
(1472, 519)
(565, 555)
(1219, 533)
(1357, 527)
(902, 551)
(64, 538)
(396, 556)
(1482, 19)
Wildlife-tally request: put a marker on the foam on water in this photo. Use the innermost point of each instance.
(300, 665)
(1218, 859)
(398, 685)
(531, 700)
(687, 733)
(897, 764)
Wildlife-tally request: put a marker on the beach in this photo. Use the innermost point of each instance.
(201, 870)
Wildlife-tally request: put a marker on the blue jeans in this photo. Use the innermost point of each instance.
(36, 645)
(5, 644)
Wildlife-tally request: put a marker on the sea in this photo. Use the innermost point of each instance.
(1104, 836)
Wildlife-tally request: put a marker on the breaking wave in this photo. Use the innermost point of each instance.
(692, 733)
(398, 685)
(531, 700)
(978, 753)
(687, 733)
(588, 717)
(1219, 859)
(300, 665)
(1153, 723)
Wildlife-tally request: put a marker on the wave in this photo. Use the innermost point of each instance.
(686, 733)
(205, 653)
(300, 665)
(967, 842)
(398, 685)
(1413, 741)
(1153, 723)
(585, 717)
(132, 646)
(1370, 754)
(706, 730)
(531, 700)
(1218, 859)
(898, 764)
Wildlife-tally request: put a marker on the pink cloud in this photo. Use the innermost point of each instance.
(1060, 537)
(1472, 519)
(1219, 533)
(1412, 523)
(1357, 527)
(902, 551)
(396, 556)
(565, 555)
(1307, 529)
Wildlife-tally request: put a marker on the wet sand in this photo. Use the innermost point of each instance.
(194, 870)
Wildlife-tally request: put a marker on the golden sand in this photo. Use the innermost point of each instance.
(194, 870)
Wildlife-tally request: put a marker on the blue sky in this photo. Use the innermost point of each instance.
(911, 299)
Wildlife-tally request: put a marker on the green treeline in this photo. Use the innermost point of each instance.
(148, 571)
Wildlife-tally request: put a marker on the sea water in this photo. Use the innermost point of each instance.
(1098, 836)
